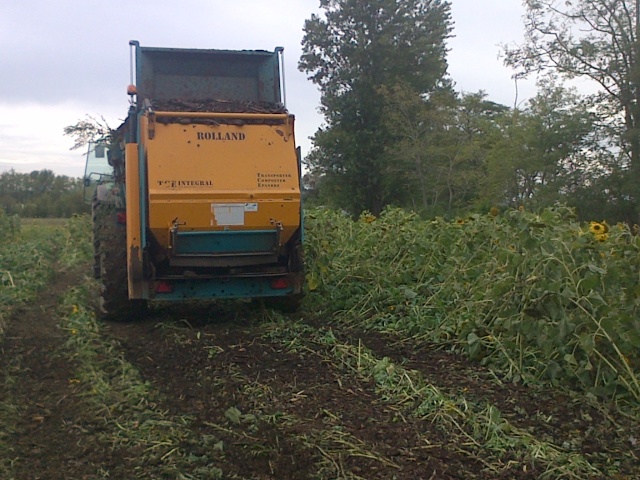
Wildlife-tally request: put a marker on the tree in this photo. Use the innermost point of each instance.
(89, 130)
(351, 52)
(541, 154)
(440, 145)
(41, 193)
(598, 40)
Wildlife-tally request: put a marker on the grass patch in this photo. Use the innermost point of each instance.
(31, 254)
(44, 222)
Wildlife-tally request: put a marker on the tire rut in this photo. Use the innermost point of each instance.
(192, 384)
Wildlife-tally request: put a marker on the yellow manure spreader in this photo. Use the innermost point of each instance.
(197, 194)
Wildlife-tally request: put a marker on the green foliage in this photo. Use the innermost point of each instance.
(537, 297)
(440, 147)
(30, 255)
(453, 152)
(25, 263)
(594, 40)
(77, 248)
(41, 194)
(396, 134)
(541, 154)
(9, 226)
(352, 51)
(25, 266)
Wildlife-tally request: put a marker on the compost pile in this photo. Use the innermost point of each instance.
(218, 106)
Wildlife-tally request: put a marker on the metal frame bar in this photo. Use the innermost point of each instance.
(240, 116)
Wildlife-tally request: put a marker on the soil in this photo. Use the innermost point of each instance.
(48, 441)
(305, 388)
(279, 414)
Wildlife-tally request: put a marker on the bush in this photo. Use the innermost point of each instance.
(9, 226)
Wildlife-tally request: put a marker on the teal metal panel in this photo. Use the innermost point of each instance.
(239, 241)
(233, 287)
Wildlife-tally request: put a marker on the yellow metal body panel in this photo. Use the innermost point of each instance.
(136, 284)
(221, 177)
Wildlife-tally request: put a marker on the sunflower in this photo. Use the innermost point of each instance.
(368, 218)
(602, 237)
(598, 228)
(494, 211)
(459, 221)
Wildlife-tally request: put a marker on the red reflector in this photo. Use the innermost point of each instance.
(279, 284)
(163, 287)
(121, 217)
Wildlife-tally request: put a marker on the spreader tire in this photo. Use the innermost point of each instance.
(110, 243)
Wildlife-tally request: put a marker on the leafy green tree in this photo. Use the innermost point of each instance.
(351, 52)
(440, 146)
(543, 153)
(596, 40)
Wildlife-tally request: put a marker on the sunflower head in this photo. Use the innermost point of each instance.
(598, 228)
(494, 211)
(368, 218)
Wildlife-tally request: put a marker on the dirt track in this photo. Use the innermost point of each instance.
(239, 395)
(48, 437)
(229, 367)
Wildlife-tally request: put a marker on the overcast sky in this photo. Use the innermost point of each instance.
(65, 59)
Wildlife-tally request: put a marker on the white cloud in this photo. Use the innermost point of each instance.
(65, 59)
(31, 138)
(474, 62)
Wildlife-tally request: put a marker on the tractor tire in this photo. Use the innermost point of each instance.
(110, 256)
(95, 212)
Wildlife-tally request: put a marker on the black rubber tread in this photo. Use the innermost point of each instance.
(111, 253)
(96, 237)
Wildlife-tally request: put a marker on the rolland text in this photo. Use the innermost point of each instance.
(221, 136)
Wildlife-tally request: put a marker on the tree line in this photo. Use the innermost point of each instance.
(396, 131)
(41, 194)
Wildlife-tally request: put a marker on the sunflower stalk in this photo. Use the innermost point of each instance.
(530, 295)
